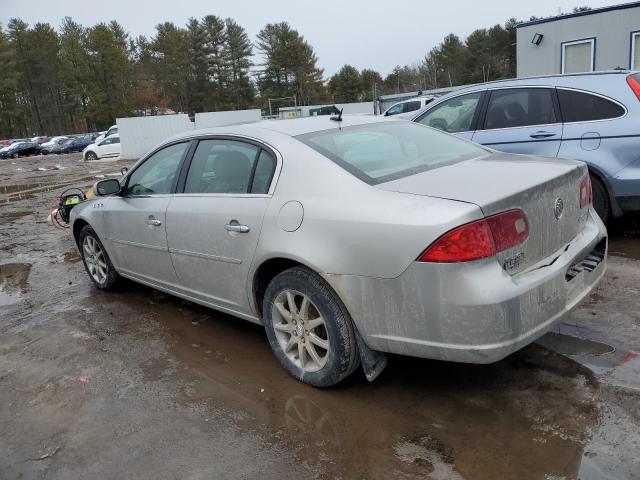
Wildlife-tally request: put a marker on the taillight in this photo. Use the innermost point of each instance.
(634, 83)
(479, 239)
(586, 194)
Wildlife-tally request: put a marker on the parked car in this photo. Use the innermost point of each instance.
(56, 146)
(77, 144)
(591, 117)
(109, 147)
(40, 140)
(408, 106)
(21, 149)
(348, 238)
(113, 130)
(52, 142)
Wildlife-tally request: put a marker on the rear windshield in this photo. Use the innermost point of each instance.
(381, 152)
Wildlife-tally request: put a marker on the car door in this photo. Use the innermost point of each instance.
(213, 226)
(521, 120)
(109, 147)
(457, 115)
(135, 220)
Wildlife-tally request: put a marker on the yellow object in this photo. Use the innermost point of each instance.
(89, 193)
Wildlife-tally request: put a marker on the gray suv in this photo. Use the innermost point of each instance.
(593, 117)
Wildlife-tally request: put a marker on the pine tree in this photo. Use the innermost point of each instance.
(346, 85)
(237, 58)
(290, 65)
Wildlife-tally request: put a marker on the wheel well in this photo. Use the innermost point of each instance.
(267, 272)
(78, 225)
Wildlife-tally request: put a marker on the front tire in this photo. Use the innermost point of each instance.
(309, 329)
(91, 156)
(601, 202)
(96, 261)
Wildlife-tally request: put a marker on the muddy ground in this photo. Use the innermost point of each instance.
(138, 384)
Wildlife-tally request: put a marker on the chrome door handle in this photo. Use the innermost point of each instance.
(155, 223)
(234, 226)
(542, 134)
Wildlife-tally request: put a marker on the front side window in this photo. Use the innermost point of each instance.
(381, 152)
(578, 56)
(396, 109)
(519, 107)
(453, 115)
(229, 166)
(584, 107)
(155, 176)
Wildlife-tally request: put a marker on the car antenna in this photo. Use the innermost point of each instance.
(337, 118)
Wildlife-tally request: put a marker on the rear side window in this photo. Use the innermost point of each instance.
(520, 107)
(584, 107)
(229, 166)
(411, 106)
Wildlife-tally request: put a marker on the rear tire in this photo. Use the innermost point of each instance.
(314, 338)
(96, 261)
(601, 202)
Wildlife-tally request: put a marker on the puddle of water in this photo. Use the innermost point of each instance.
(28, 191)
(570, 345)
(11, 216)
(13, 282)
(626, 247)
(418, 419)
(71, 256)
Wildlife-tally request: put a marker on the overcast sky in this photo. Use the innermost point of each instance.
(364, 33)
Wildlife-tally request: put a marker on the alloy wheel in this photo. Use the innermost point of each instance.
(94, 259)
(300, 330)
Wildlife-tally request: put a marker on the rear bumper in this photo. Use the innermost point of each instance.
(473, 312)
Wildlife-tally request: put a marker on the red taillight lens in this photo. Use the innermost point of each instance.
(508, 228)
(634, 83)
(586, 194)
(479, 239)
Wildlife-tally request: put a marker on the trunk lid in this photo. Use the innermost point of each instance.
(500, 182)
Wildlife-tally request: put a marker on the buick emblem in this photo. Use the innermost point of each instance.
(558, 208)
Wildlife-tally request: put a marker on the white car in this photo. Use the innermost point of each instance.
(53, 142)
(407, 106)
(109, 147)
(113, 130)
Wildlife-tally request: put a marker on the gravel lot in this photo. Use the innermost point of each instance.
(138, 384)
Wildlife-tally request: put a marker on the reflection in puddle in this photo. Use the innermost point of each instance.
(570, 345)
(7, 217)
(13, 282)
(525, 417)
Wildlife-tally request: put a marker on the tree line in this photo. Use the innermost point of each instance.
(77, 78)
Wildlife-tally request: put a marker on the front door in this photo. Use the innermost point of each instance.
(214, 225)
(522, 120)
(109, 147)
(135, 222)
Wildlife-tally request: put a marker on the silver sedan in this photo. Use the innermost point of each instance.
(348, 238)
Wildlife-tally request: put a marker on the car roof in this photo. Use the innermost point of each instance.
(291, 127)
(539, 79)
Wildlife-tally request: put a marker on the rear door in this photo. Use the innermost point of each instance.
(521, 120)
(458, 115)
(213, 226)
(135, 221)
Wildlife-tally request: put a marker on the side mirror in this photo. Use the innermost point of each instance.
(111, 186)
(123, 171)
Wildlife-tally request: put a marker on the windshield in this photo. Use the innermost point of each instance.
(381, 152)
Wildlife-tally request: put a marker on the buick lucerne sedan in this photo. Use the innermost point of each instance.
(348, 238)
